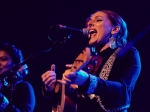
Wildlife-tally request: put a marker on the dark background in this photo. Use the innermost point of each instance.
(26, 24)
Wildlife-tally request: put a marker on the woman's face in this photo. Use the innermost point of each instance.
(100, 28)
(5, 61)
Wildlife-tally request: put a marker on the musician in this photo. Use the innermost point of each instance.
(107, 82)
(16, 95)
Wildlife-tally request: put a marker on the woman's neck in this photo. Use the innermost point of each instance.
(104, 47)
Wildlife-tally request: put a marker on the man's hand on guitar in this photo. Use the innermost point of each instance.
(49, 78)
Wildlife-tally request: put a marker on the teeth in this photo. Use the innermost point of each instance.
(92, 31)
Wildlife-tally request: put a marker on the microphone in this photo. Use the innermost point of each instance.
(83, 31)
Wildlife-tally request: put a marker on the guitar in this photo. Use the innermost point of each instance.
(82, 59)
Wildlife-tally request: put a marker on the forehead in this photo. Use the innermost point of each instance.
(3, 53)
(98, 14)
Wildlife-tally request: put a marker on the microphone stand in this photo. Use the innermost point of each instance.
(12, 90)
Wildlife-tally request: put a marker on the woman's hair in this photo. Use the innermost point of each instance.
(16, 55)
(13, 51)
(116, 20)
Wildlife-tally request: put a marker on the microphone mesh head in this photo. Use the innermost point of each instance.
(85, 31)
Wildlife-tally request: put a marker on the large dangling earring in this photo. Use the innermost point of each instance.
(112, 42)
(5, 83)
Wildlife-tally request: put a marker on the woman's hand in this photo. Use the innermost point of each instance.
(69, 77)
(49, 78)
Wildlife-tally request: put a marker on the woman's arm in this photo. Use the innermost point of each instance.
(23, 98)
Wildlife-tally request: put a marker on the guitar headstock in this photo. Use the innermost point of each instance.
(82, 59)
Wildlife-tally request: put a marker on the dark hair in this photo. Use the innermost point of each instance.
(13, 51)
(15, 54)
(116, 20)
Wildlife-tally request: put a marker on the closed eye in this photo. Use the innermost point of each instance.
(3, 58)
(98, 20)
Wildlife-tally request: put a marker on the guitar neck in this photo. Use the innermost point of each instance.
(82, 59)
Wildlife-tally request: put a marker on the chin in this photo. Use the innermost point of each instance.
(92, 44)
(1, 72)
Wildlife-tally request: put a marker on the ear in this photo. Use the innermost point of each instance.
(115, 30)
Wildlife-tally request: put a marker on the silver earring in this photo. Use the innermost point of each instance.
(112, 42)
(5, 82)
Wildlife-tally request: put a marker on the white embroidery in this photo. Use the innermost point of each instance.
(104, 74)
(107, 67)
(93, 84)
(4, 104)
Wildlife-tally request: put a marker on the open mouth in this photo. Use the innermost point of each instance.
(92, 33)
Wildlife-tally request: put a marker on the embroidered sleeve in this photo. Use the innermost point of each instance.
(4, 104)
(92, 85)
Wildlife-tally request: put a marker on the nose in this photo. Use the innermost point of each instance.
(91, 24)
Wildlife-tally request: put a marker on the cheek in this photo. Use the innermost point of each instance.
(102, 39)
(104, 35)
(101, 36)
(7, 64)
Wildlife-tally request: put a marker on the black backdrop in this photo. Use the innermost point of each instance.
(26, 23)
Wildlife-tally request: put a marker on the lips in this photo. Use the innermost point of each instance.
(92, 31)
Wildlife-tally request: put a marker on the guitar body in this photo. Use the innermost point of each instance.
(69, 105)
(79, 63)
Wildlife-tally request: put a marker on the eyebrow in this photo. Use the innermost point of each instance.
(98, 17)
(95, 17)
(3, 56)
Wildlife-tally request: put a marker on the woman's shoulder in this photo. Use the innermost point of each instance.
(133, 51)
(24, 84)
(128, 52)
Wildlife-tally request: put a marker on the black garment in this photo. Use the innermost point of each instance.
(117, 90)
(23, 99)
